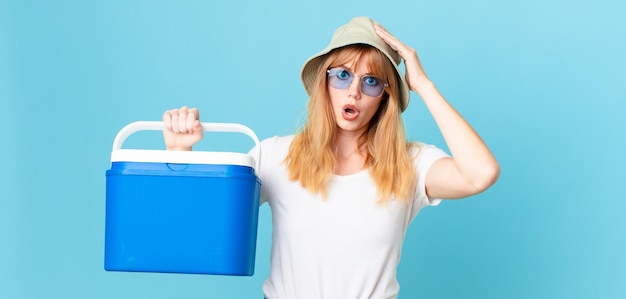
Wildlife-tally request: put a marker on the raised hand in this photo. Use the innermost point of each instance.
(183, 128)
(415, 75)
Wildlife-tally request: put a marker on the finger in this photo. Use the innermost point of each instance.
(387, 36)
(197, 126)
(192, 117)
(182, 119)
(380, 27)
(392, 41)
(167, 120)
(175, 115)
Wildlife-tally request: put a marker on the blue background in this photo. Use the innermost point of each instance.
(542, 81)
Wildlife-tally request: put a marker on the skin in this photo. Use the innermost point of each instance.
(350, 155)
(183, 128)
(471, 169)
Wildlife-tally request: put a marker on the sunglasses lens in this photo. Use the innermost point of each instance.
(372, 86)
(339, 78)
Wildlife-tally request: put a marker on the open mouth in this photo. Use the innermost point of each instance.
(350, 112)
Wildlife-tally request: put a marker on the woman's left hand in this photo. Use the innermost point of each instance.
(415, 75)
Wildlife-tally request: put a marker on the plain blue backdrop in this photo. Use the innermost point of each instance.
(542, 81)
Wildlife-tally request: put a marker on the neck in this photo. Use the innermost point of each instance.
(351, 153)
(349, 143)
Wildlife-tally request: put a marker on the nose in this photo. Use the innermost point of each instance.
(354, 90)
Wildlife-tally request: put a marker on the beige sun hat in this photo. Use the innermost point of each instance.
(360, 30)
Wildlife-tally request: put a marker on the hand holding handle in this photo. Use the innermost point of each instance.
(137, 126)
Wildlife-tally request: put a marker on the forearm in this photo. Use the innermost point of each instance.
(473, 159)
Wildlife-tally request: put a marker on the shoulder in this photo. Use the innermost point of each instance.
(418, 148)
(425, 154)
(275, 147)
(276, 142)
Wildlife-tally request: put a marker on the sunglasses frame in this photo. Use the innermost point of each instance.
(333, 72)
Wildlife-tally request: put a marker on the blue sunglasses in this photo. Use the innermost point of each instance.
(341, 78)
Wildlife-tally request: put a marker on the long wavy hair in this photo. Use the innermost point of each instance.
(311, 159)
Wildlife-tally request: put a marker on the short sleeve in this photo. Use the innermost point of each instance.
(425, 156)
(265, 147)
(273, 153)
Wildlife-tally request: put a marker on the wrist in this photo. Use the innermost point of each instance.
(178, 148)
(423, 85)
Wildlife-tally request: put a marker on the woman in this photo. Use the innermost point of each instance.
(345, 188)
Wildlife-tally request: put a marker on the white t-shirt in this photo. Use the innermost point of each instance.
(346, 246)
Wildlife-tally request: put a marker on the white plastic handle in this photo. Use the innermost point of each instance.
(137, 126)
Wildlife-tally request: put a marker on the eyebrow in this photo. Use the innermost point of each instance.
(343, 66)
